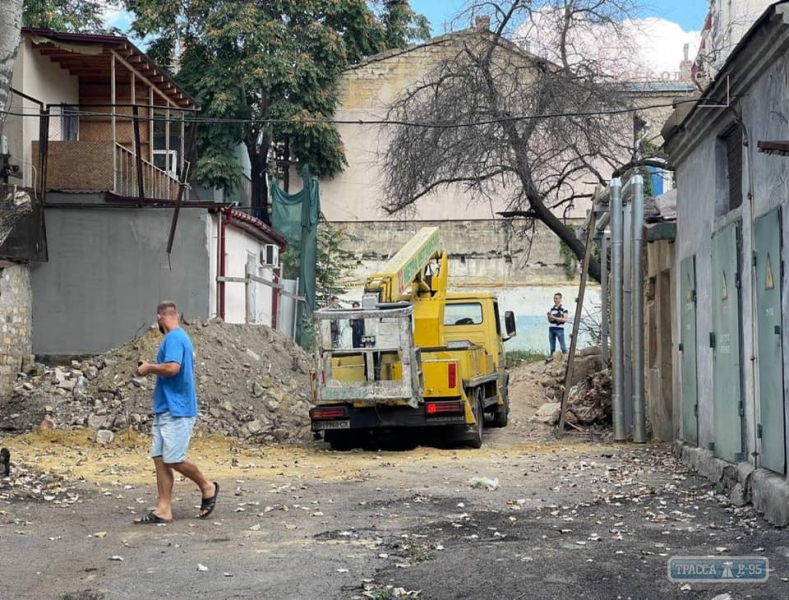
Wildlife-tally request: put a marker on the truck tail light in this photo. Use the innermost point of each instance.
(435, 408)
(329, 412)
(452, 375)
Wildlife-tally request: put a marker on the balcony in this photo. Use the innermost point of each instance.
(87, 166)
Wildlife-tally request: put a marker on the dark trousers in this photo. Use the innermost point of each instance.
(556, 333)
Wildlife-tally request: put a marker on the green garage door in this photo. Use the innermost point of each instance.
(725, 341)
(767, 244)
(687, 346)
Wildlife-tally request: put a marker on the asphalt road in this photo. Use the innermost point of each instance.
(576, 519)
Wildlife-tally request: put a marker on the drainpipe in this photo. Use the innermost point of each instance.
(617, 364)
(627, 304)
(756, 451)
(275, 295)
(604, 289)
(636, 259)
(225, 216)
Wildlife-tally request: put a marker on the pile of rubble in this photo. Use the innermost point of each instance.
(252, 384)
(589, 401)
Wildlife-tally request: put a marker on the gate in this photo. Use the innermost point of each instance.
(687, 347)
(725, 341)
(767, 245)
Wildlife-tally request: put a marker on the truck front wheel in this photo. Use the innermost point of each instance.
(479, 416)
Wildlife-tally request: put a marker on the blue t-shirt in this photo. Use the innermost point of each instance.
(177, 393)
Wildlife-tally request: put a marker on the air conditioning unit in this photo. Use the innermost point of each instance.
(269, 255)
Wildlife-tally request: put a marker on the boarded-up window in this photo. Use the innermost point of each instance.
(733, 141)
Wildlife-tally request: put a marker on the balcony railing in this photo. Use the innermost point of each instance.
(112, 148)
(77, 166)
(157, 183)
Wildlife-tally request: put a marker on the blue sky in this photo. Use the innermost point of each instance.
(689, 14)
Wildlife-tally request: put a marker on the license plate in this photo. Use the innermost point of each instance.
(346, 424)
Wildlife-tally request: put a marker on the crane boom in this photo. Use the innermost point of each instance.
(406, 267)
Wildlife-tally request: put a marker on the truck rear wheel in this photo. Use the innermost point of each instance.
(341, 441)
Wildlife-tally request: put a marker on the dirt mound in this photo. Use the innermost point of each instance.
(252, 383)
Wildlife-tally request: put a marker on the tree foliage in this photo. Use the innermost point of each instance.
(273, 65)
(533, 132)
(83, 16)
(335, 263)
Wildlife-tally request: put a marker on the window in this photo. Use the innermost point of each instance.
(69, 123)
(730, 170)
(469, 313)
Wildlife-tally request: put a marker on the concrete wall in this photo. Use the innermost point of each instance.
(731, 21)
(16, 306)
(240, 247)
(108, 269)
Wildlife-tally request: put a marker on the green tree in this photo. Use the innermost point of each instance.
(335, 262)
(84, 16)
(272, 66)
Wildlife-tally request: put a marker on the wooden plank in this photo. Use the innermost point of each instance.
(577, 323)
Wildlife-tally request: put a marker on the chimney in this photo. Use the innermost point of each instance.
(482, 23)
(686, 66)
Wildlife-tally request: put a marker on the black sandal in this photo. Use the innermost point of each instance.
(153, 518)
(208, 504)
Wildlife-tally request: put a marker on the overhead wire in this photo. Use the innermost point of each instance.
(385, 122)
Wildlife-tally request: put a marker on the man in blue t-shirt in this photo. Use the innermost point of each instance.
(174, 414)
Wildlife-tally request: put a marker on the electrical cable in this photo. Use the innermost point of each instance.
(392, 122)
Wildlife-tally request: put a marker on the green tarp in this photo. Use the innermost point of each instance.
(295, 216)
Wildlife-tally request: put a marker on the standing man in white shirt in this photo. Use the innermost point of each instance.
(557, 317)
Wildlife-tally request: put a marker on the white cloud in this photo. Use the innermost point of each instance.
(638, 49)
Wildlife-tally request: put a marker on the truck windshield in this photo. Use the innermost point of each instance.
(467, 313)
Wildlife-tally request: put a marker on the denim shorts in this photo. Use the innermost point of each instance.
(171, 437)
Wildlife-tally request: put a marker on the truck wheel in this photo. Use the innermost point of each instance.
(479, 416)
(502, 413)
(501, 416)
(341, 442)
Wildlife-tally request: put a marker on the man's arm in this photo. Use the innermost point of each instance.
(167, 369)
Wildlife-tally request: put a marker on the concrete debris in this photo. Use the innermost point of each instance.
(589, 402)
(252, 384)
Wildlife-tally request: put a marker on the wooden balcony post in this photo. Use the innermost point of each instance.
(114, 139)
(138, 153)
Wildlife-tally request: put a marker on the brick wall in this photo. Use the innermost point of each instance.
(16, 310)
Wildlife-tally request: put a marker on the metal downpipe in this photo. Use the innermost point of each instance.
(617, 364)
(637, 256)
(604, 290)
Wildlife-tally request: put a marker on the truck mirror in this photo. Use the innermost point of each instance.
(509, 323)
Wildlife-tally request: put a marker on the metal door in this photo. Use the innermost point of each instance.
(687, 346)
(767, 244)
(725, 342)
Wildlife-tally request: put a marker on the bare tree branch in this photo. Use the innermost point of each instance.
(533, 167)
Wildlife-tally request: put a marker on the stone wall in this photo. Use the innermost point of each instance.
(16, 312)
(483, 252)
